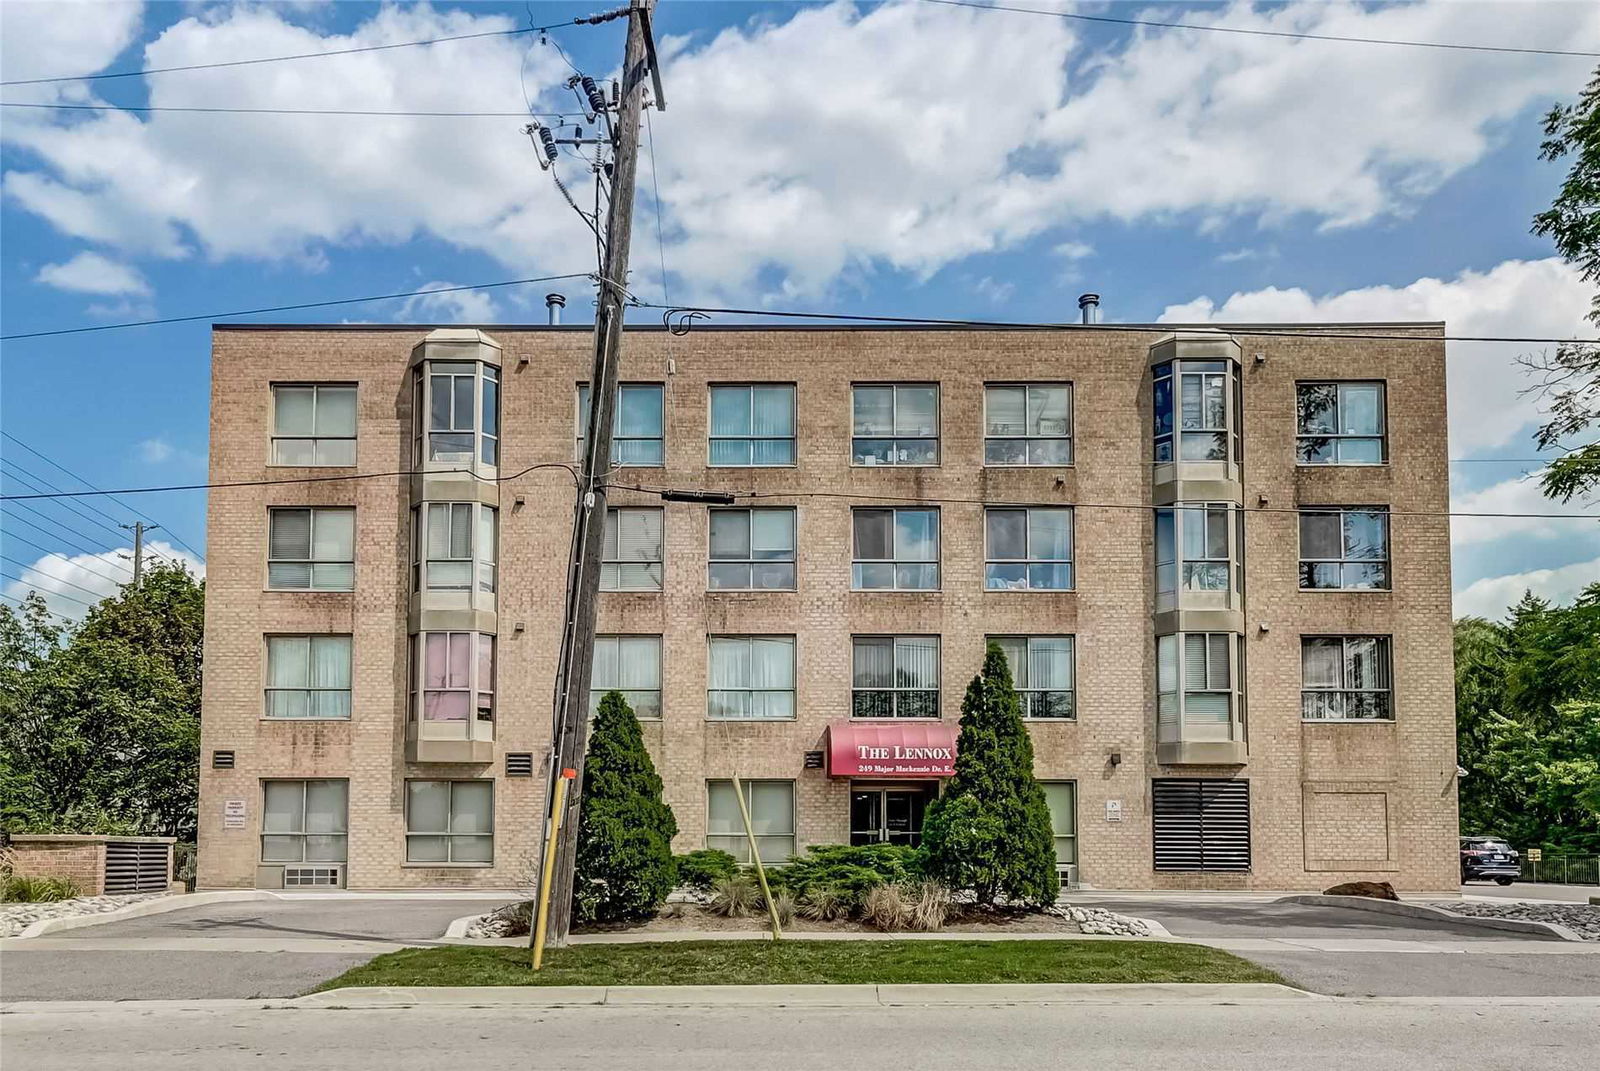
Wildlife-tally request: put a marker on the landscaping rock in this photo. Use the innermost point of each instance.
(1099, 920)
(14, 918)
(1377, 890)
(1580, 919)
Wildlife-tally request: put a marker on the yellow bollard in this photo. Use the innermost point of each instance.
(557, 809)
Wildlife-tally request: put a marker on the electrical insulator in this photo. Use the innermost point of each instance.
(597, 102)
(548, 140)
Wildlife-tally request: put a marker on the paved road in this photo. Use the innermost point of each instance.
(1301, 1036)
(1528, 890)
(1223, 918)
(331, 919)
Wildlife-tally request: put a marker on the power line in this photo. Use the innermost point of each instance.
(25, 567)
(63, 557)
(286, 111)
(23, 603)
(655, 182)
(71, 533)
(47, 485)
(291, 308)
(56, 594)
(1263, 33)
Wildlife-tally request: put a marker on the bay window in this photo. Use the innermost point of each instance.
(1190, 407)
(456, 413)
(1196, 686)
(454, 547)
(456, 671)
(1193, 548)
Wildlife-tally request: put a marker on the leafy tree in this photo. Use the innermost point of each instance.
(1482, 655)
(1557, 765)
(624, 865)
(990, 831)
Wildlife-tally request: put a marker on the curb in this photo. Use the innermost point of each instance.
(1439, 914)
(139, 910)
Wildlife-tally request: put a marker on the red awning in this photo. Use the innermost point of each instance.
(900, 749)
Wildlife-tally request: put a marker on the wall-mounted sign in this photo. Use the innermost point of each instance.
(922, 751)
(233, 814)
(814, 759)
(1113, 810)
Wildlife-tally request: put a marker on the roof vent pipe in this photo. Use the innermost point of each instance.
(1089, 305)
(555, 303)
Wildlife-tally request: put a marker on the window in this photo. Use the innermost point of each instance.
(1041, 671)
(771, 807)
(895, 424)
(304, 821)
(751, 549)
(636, 425)
(461, 400)
(1345, 547)
(895, 550)
(1195, 686)
(453, 543)
(752, 678)
(1028, 549)
(630, 560)
(457, 676)
(313, 424)
(1201, 824)
(308, 677)
(630, 665)
(1194, 395)
(1340, 423)
(752, 425)
(1345, 678)
(1202, 534)
(1062, 797)
(1027, 424)
(313, 549)
(450, 822)
(895, 677)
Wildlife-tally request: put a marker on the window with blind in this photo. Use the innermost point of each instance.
(751, 678)
(1192, 548)
(630, 559)
(450, 822)
(1340, 423)
(752, 426)
(895, 549)
(308, 677)
(1345, 678)
(304, 821)
(894, 424)
(454, 546)
(1042, 673)
(314, 424)
(751, 550)
(1201, 824)
(1195, 686)
(1345, 547)
(637, 437)
(894, 677)
(1028, 549)
(772, 819)
(312, 549)
(457, 676)
(630, 665)
(456, 413)
(1062, 798)
(1027, 424)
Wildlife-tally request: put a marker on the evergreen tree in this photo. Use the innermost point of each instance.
(990, 831)
(625, 868)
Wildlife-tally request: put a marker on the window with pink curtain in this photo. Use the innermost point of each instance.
(446, 675)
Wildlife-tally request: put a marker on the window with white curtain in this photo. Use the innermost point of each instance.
(456, 412)
(894, 677)
(314, 424)
(1345, 547)
(1062, 798)
(1200, 533)
(1042, 673)
(637, 436)
(1345, 678)
(457, 676)
(894, 424)
(304, 821)
(751, 678)
(752, 425)
(630, 559)
(1028, 549)
(1340, 423)
(450, 822)
(313, 549)
(895, 549)
(751, 550)
(630, 665)
(1195, 685)
(772, 819)
(454, 546)
(1027, 424)
(308, 677)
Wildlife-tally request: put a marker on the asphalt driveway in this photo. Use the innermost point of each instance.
(366, 919)
(1254, 919)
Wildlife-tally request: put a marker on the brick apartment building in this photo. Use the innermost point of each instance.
(1218, 562)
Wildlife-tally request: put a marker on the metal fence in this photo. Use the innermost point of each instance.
(1563, 869)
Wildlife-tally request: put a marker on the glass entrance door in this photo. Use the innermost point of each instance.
(887, 816)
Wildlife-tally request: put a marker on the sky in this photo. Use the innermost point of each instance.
(907, 157)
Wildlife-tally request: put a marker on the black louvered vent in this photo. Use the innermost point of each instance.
(519, 764)
(136, 866)
(1201, 824)
(222, 760)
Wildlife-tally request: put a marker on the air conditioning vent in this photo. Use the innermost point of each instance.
(519, 764)
(222, 760)
(134, 866)
(1201, 824)
(1069, 875)
(302, 877)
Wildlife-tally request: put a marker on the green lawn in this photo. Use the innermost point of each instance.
(808, 962)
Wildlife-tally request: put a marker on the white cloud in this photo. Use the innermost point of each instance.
(994, 291)
(1074, 250)
(461, 306)
(52, 38)
(1491, 596)
(71, 584)
(1539, 298)
(91, 273)
(155, 451)
(1520, 495)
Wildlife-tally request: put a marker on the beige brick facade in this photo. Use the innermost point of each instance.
(1328, 801)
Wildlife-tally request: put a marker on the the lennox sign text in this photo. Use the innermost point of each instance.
(864, 752)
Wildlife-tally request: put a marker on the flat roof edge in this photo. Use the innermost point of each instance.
(1302, 325)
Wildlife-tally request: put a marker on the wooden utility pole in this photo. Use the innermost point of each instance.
(571, 734)
(138, 528)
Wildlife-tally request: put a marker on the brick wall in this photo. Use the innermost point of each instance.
(81, 860)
